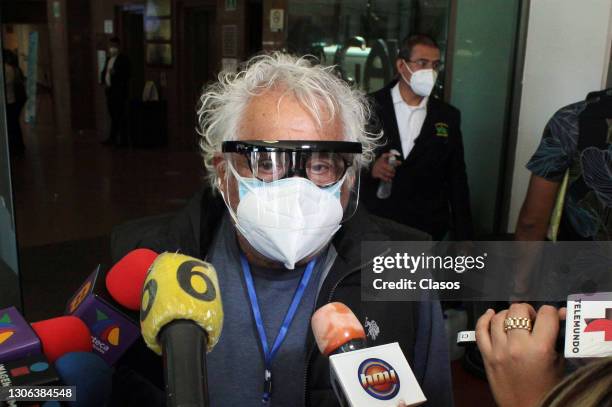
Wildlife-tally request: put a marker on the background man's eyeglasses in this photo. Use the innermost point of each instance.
(426, 64)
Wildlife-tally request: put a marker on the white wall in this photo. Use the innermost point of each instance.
(567, 54)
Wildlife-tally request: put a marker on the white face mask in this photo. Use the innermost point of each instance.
(421, 81)
(289, 219)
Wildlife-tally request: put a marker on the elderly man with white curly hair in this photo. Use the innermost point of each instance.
(283, 142)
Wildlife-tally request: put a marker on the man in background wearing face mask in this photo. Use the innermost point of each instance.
(283, 142)
(429, 183)
(115, 78)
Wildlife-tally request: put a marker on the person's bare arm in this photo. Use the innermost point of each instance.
(536, 210)
(532, 225)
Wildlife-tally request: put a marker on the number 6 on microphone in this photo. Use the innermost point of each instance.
(175, 286)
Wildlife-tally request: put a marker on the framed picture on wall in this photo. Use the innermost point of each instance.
(158, 29)
(159, 54)
(158, 8)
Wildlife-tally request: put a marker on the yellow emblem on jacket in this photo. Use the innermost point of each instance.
(441, 129)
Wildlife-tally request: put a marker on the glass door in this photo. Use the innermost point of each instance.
(10, 291)
(483, 61)
(361, 37)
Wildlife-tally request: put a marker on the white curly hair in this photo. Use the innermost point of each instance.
(316, 87)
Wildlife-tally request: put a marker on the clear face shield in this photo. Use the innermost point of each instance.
(288, 198)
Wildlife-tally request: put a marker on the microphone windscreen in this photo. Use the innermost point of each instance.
(180, 287)
(333, 325)
(90, 374)
(125, 279)
(61, 335)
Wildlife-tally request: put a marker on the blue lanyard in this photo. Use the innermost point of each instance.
(282, 333)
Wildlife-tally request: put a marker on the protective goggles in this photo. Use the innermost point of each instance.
(322, 162)
(269, 168)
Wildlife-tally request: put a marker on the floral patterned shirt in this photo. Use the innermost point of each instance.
(587, 212)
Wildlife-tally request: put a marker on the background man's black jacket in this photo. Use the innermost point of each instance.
(119, 76)
(191, 232)
(430, 189)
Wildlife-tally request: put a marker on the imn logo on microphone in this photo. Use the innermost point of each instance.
(378, 379)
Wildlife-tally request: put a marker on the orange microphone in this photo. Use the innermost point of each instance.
(337, 330)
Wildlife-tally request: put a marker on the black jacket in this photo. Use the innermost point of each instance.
(430, 189)
(119, 76)
(191, 232)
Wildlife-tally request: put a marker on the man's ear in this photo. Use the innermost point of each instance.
(401, 68)
(220, 165)
(350, 181)
(398, 64)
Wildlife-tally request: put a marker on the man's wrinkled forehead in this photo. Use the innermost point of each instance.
(279, 115)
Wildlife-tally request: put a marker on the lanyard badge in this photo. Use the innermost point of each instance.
(269, 354)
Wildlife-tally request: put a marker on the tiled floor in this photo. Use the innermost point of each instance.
(69, 193)
(68, 190)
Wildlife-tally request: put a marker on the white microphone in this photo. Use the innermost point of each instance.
(361, 376)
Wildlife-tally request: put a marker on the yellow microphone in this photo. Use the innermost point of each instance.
(181, 318)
